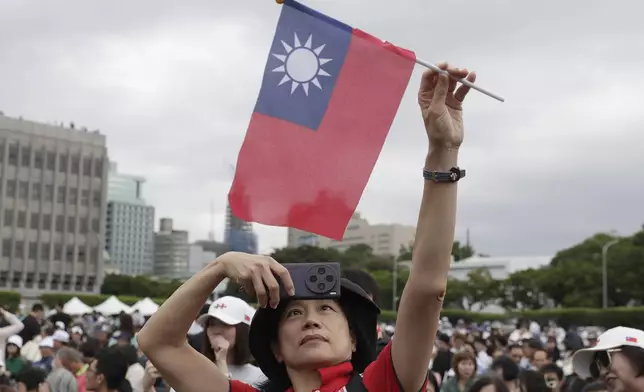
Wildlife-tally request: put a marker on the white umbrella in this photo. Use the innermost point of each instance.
(76, 307)
(112, 306)
(146, 307)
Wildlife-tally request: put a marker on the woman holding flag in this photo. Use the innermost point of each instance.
(321, 345)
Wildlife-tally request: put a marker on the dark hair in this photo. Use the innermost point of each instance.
(594, 387)
(37, 307)
(533, 344)
(241, 349)
(484, 381)
(635, 356)
(552, 368)
(509, 369)
(514, 346)
(365, 280)
(126, 323)
(463, 356)
(89, 348)
(130, 354)
(112, 363)
(532, 381)
(31, 377)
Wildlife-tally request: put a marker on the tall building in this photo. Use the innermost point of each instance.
(384, 239)
(199, 258)
(171, 251)
(239, 235)
(53, 186)
(129, 230)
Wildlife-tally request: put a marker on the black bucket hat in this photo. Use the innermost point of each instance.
(362, 315)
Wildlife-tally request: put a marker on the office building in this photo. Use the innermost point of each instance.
(238, 234)
(199, 258)
(171, 251)
(53, 186)
(384, 239)
(129, 232)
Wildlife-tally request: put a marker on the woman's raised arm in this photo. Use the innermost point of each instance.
(422, 298)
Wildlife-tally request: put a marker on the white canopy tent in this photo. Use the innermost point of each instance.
(146, 307)
(76, 307)
(112, 306)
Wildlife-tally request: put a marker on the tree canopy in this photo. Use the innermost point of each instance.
(573, 278)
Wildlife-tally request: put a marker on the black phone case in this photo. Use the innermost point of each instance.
(314, 280)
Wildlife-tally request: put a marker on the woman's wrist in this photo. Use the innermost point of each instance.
(441, 159)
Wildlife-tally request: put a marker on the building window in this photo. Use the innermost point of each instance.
(35, 191)
(83, 226)
(75, 164)
(22, 219)
(73, 196)
(62, 163)
(95, 226)
(34, 220)
(60, 223)
(33, 250)
(23, 190)
(6, 248)
(60, 198)
(13, 154)
(96, 200)
(71, 224)
(51, 161)
(11, 188)
(8, 218)
(98, 167)
(85, 197)
(44, 251)
(58, 252)
(49, 193)
(39, 160)
(70, 253)
(20, 249)
(87, 166)
(46, 222)
(26, 157)
(1, 152)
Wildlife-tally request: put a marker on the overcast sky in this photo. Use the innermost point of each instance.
(172, 85)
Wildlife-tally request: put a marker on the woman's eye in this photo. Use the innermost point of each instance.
(293, 312)
(327, 307)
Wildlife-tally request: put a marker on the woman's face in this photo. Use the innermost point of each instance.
(489, 388)
(313, 334)
(218, 328)
(94, 380)
(466, 368)
(12, 349)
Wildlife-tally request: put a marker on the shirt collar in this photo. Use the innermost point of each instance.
(333, 377)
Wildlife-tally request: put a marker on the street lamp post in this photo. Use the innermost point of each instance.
(605, 271)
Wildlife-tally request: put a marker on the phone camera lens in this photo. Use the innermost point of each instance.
(329, 278)
(313, 278)
(321, 286)
(321, 270)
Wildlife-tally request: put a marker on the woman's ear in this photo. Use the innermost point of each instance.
(276, 352)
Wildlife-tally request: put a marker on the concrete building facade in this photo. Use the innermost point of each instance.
(129, 232)
(171, 251)
(384, 239)
(53, 186)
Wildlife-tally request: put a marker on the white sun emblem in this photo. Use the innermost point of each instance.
(301, 64)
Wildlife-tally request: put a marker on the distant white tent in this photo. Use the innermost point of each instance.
(76, 307)
(146, 307)
(112, 306)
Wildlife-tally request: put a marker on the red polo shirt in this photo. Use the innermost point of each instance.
(379, 376)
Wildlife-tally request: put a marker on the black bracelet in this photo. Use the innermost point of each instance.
(453, 175)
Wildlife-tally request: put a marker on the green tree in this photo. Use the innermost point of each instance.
(523, 289)
(462, 252)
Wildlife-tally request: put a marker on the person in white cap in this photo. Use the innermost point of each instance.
(14, 363)
(61, 339)
(47, 354)
(226, 339)
(617, 359)
(13, 327)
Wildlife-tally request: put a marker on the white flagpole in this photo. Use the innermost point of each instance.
(462, 81)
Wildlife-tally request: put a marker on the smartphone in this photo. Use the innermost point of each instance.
(313, 280)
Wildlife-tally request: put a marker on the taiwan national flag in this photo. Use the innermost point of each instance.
(328, 98)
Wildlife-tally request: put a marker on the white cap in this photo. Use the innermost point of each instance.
(15, 340)
(613, 338)
(61, 336)
(60, 325)
(77, 330)
(229, 310)
(47, 342)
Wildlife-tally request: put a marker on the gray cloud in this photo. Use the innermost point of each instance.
(172, 84)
